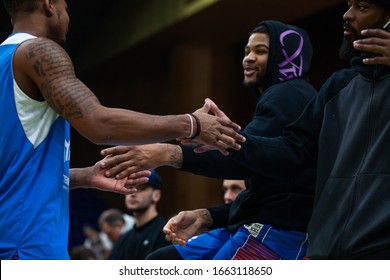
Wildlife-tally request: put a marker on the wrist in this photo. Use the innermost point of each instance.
(204, 218)
(197, 127)
(80, 178)
(173, 156)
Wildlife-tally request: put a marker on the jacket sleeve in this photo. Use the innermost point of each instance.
(279, 106)
(220, 215)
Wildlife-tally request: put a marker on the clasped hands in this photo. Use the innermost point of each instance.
(218, 132)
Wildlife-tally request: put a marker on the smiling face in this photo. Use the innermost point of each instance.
(255, 60)
(361, 14)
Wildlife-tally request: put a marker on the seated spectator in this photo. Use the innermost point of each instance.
(112, 223)
(231, 188)
(147, 234)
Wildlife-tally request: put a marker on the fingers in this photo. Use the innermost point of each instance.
(216, 130)
(143, 173)
(213, 108)
(376, 60)
(233, 128)
(169, 234)
(114, 150)
(189, 142)
(210, 107)
(174, 239)
(224, 142)
(205, 108)
(121, 171)
(222, 147)
(112, 160)
(203, 148)
(133, 183)
(231, 138)
(121, 166)
(168, 237)
(121, 188)
(199, 148)
(380, 33)
(374, 45)
(179, 241)
(378, 42)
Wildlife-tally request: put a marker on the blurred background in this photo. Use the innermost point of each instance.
(166, 57)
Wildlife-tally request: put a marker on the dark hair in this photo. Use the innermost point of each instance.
(111, 217)
(14, 6)
(82, 253)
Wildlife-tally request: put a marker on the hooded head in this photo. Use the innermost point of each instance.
(289, 55)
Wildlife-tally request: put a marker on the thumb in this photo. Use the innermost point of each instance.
(206, 107)
(213, 108)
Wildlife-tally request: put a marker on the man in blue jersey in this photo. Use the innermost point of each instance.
(40, 97)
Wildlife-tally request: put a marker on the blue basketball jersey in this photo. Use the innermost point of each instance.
(34, 169)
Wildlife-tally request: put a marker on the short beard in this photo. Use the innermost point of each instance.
(347, 51)
(255, 84)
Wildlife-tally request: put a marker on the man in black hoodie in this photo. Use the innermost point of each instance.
(269, 219)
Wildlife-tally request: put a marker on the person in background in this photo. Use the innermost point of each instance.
(40, 98)
(82, 253)
(92, 241)
(147, 235)
(113, 224)
(231, 188)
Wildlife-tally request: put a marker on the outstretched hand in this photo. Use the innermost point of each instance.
(125, 186)
(222, 135)
(378, 42)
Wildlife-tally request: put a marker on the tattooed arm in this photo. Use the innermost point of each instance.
(43, 70)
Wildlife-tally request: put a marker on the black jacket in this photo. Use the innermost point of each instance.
(352, 209)
(285, 202)
(346, 131)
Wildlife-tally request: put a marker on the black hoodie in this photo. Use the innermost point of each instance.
(284, 202)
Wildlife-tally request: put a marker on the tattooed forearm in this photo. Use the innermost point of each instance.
(205, 217)
(176, 157)
(57, 81)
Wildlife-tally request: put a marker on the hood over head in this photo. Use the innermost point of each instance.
(290, 52)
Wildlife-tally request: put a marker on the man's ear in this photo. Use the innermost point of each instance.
(156, 195)
(48, 7)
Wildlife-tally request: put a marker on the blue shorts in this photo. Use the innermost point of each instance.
(250, 242)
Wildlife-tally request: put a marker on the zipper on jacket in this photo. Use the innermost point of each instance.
(370, 129)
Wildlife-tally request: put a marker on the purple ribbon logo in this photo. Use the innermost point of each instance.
(288, 68)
